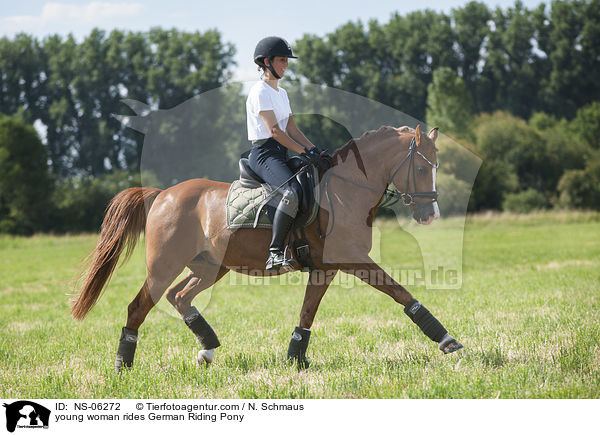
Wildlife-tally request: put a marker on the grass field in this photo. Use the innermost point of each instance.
(528, 315)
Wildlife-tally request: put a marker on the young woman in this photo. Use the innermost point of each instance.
(273, 132)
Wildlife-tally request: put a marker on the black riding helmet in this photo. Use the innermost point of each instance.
(270, 47)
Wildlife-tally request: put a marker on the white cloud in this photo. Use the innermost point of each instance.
(55, 14)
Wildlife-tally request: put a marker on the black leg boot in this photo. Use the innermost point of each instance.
(126, 349)
(431, 326)
(282, 223)
(298, 346)
(201, 329)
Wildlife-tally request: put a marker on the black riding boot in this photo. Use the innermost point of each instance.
(282, 223)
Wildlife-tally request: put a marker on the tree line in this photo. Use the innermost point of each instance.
(516, 86)
(519, 60)
(75, 89)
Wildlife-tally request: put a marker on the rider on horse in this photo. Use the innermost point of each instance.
(272, 130)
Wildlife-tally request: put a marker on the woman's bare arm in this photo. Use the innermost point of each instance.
(292, 143)
(294, 132)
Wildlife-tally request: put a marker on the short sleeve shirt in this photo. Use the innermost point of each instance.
(263, 97)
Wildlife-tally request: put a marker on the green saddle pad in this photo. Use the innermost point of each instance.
(243, 203)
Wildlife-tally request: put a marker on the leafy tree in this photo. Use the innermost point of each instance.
(525, 201)
(80, 201)
(460, 160)
(508, 78)
(21, 75)
(75, 89)
(586, 124)
(25, 183)
(184, 65)
(503, 137)
(453, 191)
(326, 133)
(566, 83)
(57, 110)
(448, 102)
(590, 51)
(495, 179)
(537, 154)
(202, 137)
(564, 150)
(543, 61)
(543, 121)
(580, 188)
(471, 29)
(391, 63)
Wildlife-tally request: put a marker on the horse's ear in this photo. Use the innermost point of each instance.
(418, 135)
(433, 134)
(138, 123)
(137, 106)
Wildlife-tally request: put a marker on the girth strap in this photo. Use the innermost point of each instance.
(302, 249)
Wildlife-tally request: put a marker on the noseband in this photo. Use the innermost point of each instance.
(392, 196)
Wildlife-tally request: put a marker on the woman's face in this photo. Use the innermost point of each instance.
(280, 64)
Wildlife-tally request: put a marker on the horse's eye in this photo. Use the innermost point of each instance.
(421, 170)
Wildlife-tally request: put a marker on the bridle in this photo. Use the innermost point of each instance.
(391, 196)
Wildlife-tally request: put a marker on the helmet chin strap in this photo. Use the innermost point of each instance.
(270, 67)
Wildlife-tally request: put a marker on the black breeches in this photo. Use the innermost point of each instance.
(269, 161)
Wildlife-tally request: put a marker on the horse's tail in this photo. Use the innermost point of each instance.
(124, 220)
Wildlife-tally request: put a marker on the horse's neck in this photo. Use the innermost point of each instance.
(364, 166)
(368, 161)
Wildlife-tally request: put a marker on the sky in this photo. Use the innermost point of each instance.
(242, 23)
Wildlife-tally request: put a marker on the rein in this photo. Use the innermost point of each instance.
(394, 194)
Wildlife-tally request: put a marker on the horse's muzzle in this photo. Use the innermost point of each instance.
(425, 212)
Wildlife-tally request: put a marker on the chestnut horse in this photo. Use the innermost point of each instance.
(185, 226)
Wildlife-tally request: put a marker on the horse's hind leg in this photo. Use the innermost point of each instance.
(197, 280)
(201, 277)
(136, 313)
(138, 309)
(164, 265)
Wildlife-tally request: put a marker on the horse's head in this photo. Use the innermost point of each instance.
(414, 174)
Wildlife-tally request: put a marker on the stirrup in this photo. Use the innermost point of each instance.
(277, 261)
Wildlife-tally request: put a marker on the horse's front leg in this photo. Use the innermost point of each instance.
(374, 275)
(318, 282)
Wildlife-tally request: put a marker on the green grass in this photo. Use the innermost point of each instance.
(528, 315)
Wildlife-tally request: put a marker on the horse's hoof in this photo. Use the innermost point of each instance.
(205, 356)
(450, 346)
(302, 363)
(121, 366)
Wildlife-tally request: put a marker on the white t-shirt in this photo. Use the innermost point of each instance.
(263, 97)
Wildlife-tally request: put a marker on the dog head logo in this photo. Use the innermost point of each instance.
(26, 414)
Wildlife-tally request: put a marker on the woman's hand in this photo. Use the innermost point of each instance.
(321, 159)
